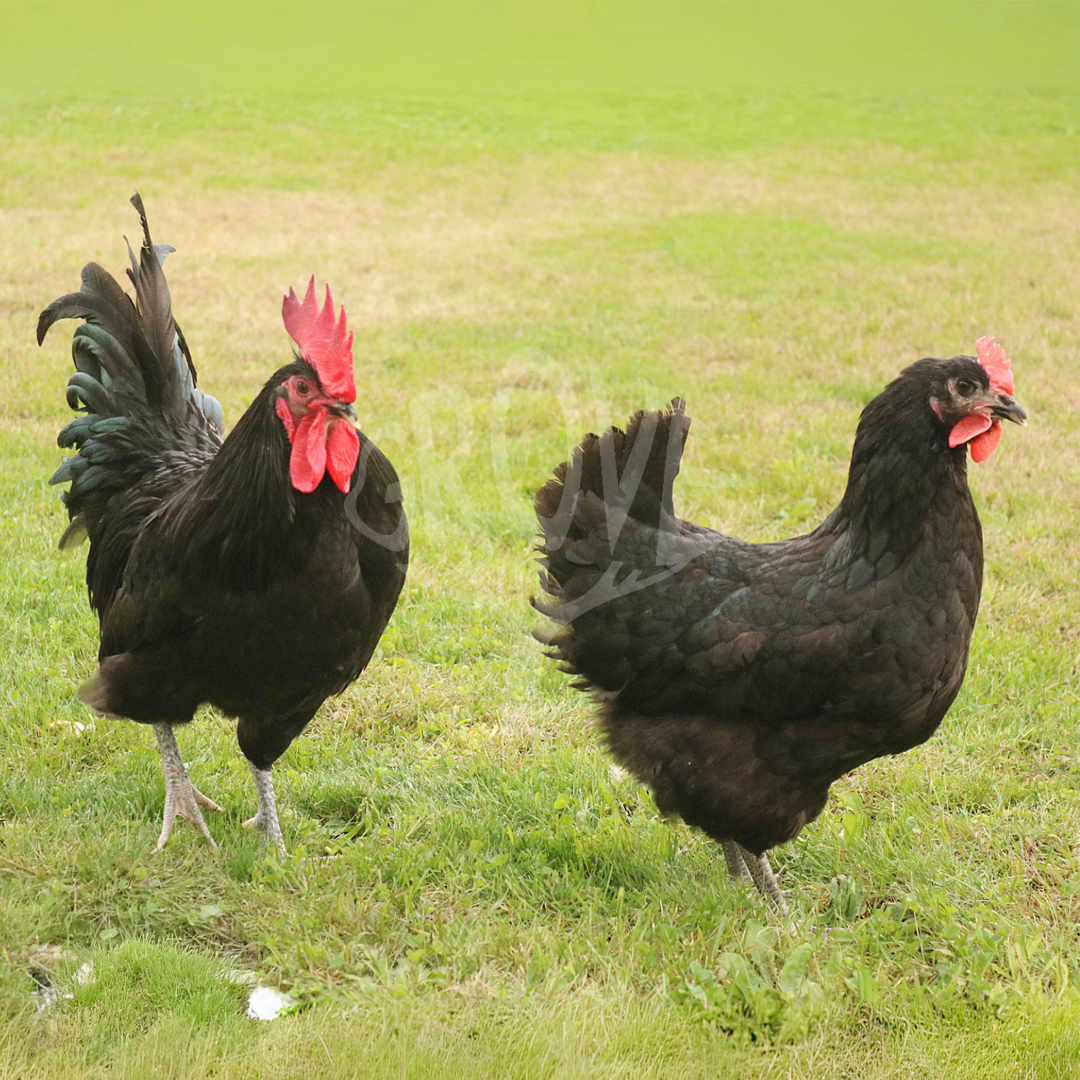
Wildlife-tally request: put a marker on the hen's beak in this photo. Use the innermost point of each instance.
(1008, 408)
(348, 412)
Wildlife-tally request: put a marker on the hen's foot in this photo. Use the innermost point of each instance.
(733, 856)
(266, 820)
(182, 797)
(764, 879)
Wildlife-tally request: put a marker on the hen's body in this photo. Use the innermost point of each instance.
(740, 680)
(214, 578)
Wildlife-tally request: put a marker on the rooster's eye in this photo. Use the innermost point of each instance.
(965, 387)
(303, 389)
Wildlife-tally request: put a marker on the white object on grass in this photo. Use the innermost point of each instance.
(265, 1003)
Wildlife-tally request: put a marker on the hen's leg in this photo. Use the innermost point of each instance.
(764, 878)
(266, 820)
(181, 795)
(734, 858)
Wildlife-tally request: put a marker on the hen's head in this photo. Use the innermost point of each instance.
(971, 395)
(314, 400)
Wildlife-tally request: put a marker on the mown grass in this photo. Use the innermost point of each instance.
(472, 891)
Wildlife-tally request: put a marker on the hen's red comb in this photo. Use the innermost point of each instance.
(325, 342)
(992, 357)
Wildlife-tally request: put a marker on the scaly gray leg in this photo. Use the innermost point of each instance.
(181, 795)
(734, 858)
(266, 820)
(764, 878)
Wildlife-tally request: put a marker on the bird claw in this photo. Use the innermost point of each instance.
(271, 832)
(183, 799)
(205, 800)
(266, 820)
(743, 863)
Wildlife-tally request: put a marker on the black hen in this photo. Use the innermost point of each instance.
(740, 680)
(255, 572)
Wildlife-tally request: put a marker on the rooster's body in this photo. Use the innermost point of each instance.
(740, 680)
(233, 571)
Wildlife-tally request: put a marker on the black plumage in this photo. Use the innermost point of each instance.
(739, 680)
(215, 580)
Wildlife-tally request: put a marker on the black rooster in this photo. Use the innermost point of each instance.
(740, 680)
(233, 571)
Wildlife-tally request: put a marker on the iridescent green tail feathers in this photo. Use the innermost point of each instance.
(133, 387)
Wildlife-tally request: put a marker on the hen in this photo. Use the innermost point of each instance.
(255, 572)
(740, 680)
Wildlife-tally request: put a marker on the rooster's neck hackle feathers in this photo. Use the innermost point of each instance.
(243, 520)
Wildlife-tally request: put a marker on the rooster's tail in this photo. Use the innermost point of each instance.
(134, 385)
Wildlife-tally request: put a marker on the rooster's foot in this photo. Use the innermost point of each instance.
(182, 797)
(266, 820)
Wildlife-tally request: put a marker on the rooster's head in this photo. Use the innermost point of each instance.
(315, 403)
(971, 395)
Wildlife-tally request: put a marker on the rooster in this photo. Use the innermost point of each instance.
(255, 572)
(739, 680)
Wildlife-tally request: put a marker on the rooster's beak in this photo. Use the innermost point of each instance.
(1008, 408)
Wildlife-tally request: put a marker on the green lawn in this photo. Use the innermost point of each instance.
(472, 891)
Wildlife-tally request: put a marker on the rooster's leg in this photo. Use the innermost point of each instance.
(764, 878)
(266, 820)
(181, 795)
(734, 858)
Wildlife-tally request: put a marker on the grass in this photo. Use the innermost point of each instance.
(472, 891)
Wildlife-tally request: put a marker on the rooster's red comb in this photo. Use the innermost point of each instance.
(992, 358)
(325, 342)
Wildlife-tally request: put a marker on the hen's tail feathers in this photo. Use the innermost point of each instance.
(606, 518)
(608, 531)
(134, 384)
(623, 474)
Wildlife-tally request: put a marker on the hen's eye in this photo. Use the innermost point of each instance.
(966, 387)
(302, 388)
